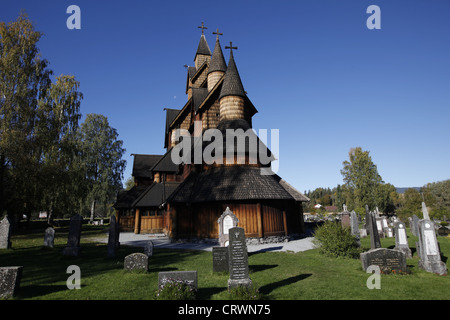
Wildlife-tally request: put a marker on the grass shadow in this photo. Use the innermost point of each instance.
(266, 289)
(261, 267)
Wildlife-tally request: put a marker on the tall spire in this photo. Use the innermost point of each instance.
(203, 47)
(217, 60)
(232, 84)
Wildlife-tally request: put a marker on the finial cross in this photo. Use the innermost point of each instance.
(203, 27)
(231, 47)
(217, 33)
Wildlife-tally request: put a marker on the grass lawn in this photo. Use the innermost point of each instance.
(279, 275)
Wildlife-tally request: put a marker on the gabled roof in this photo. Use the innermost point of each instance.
(155, 195)
(165, 164)
(203, 47)
(217, 60)
(143, 163)
(125, 198)
(171, 114)
(232, 84)
(198, 95)
(229, 183)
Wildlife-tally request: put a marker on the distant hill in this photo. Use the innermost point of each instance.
(402, 190)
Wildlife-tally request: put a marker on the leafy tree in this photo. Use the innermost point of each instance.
(56, 132)
(102, 154)
(361, 178)
(24, 80)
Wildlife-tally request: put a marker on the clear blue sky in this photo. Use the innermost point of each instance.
(312, 69)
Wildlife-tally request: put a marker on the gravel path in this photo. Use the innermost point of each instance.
(161, 241)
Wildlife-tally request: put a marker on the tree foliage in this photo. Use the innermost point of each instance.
(47, 162)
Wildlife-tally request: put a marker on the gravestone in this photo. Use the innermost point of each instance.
(389, 260)
(73, 242)
(5, 233)
(220, 259)
(136, 261)
(415, 225)
(238, 259)
(426, 216)
(428, 249)
(379, 223)
(9, 281)
(401, 239)
(148, 249)
(189, 277)
(113, 237)
(368, 220)
(373, 231)
(49, 237)
(345, 217)
(226, 221)
(354, 224)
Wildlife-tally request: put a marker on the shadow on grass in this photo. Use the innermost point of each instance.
(261, 267)
(272, 286)
(207, 293)
(33, 291)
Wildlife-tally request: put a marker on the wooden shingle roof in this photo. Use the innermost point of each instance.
(143, 163)
(229, 183)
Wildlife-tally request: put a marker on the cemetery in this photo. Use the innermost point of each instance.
(34, 265)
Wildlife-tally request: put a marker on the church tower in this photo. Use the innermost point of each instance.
(232, 95)
(203, 52)
(217, 66)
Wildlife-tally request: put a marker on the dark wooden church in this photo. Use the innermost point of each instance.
(185, 200)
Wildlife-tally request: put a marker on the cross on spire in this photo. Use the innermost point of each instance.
(217, 33)
(203, 27)
(231, 47)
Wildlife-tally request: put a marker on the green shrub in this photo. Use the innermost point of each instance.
(172, 289)
(245, 293)
(335, 241)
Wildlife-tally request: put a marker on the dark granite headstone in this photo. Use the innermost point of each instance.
(220, 259)
(374, 236)
(238, 259)
(389, 261)
(9, 281)
(5, 233)
(354, 225)
(136, 261)
(189, 277)
(73, 242)
(49, 237)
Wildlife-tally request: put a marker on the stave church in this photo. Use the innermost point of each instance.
(184, 200)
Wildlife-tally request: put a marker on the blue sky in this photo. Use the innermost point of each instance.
(312, 69)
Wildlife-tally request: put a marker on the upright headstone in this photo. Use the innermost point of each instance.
(374, 236)
(226, 221)
(354, 224)
(379, 223)
(10, 281)
(401, 239)
(220, 259)
(415, 225)
(136, 261)
(113, 238)
(5, 233)
(148, 249)
(73, 242)
(426, 216)
(49, 237)
(238, 259)
(428, 249)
